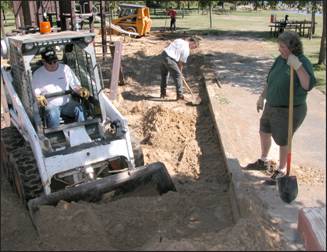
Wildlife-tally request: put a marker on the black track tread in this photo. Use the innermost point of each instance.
(28, 172)
(10, 140)
(21, 158)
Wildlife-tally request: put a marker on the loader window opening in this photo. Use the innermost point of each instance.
(74, 177)
(129, 15)
(80, 62)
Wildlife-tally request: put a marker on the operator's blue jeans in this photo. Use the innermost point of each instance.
(72, 109)
(168, 65)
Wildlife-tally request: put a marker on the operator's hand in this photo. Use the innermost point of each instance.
(260, 103)
(294, 62)
(84, 93)
(41, 100)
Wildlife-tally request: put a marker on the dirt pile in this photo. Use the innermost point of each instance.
(171, 134)
(308, 175)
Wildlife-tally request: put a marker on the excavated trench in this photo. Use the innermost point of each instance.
(198, 216)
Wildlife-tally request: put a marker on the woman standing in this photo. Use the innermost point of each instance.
(274, 119)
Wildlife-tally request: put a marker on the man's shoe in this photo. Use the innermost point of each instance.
(163, 95)
(258, 165)
(180, 97)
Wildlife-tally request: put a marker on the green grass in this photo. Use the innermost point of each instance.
(240, 23)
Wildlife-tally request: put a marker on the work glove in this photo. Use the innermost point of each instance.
(41, 100)
(294, 62)
(260, 102)
(84, 93)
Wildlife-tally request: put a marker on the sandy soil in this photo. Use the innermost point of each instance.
(196, 217)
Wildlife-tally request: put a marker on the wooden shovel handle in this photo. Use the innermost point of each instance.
(188, 87)
(290, 122)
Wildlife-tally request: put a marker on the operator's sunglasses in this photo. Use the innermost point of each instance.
(51, 62)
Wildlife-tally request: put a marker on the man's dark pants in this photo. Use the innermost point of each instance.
(173, 24)
(169, 65)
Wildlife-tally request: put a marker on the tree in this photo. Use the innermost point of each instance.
(313, 16)
(210, 13)
(322, 53)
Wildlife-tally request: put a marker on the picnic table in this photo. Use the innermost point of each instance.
(304, 27)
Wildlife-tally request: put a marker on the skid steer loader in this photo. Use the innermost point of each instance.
(77, 160)
(132, 18)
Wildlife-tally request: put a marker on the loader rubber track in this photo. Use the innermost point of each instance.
(10, 141)
(19, 165)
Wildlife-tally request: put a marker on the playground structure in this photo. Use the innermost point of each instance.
(62, 15)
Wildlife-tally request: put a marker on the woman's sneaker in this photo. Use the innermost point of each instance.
(258, 165)
(273, 178)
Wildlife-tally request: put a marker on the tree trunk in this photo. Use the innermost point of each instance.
(313, 17)
(322, 53)
(2, 23)
(210, 14)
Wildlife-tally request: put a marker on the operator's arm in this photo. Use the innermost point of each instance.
(81, 91)
(37, 80)
(75, 84)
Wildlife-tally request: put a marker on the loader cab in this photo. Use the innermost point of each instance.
(134, 18)
(72, 48)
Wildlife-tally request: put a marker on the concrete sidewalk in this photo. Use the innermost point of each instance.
(237, 122)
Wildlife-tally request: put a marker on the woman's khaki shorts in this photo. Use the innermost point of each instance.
(274, 120)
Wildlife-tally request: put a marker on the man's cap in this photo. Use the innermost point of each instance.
(49, 55)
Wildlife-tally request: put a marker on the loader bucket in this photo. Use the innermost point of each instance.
(155, 172)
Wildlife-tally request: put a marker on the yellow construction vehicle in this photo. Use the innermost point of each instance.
(133, 18)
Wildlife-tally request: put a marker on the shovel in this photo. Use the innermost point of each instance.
(287, 185)
(195, 100)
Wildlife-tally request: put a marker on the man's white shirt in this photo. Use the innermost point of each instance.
(179, 50)
(46, 82)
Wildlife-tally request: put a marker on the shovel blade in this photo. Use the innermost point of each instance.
(194, 102)
(287, 188)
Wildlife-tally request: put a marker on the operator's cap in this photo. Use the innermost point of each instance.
(49, 55)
